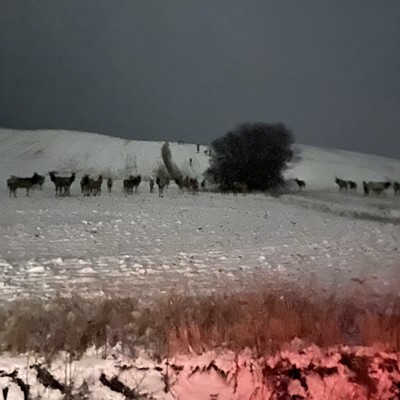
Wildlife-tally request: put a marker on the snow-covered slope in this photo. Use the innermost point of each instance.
(22, 152)
(320, 166)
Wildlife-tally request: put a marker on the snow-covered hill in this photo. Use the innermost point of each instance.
(22, 152)
(319, 167)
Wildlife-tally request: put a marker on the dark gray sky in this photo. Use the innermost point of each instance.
(193, 69)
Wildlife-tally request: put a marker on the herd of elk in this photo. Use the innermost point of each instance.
(344, 185)
(376, 187)
(92, 187)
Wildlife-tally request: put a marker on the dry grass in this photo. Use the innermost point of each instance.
(263, 320)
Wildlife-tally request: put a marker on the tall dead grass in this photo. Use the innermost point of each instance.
(263, 319)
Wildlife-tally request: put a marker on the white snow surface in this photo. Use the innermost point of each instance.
(143, 245)
(23, 152)
(336, 373)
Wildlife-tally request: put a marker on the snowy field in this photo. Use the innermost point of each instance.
(145, 245)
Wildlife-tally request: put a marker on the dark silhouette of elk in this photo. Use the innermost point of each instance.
(301, 184)
(183, 183)
(15, 182)
(109, 185)
(352, 185)
(396, 187)
(84, 183)
(226, 186)
(40, 181)
(341, 183)
(128, 186)
(375, 187)
(365, 188)
(136, 182)
(131, 183)
(194, 185)
(151, 185)
(161, 183)
(93, 187)
(62, 184)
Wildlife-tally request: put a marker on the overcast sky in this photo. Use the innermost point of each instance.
(193, 69)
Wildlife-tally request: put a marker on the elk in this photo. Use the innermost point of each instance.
(365, 188)
(301, 184)
(341, 183)
(375, 187)
(136, 182)
(194, 185)
(130, 183)
(183, 183)
(352, 185)
(84, 182)
(40, 181)
(16, 182)
(93, 187)
(62, 183)
(109, 184)
(161, 182)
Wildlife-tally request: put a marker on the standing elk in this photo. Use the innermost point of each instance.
(16, 182)
(91, 186)
(183, 183)
(84, 182)
(40, 181)
(109, 184)
(130, 183)
(161, 182)
(136, 182)
(375, 187)
(194, 185)
(352, 185)
(62, 184)
(365, 188)
(301, 184)
(341, 183)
